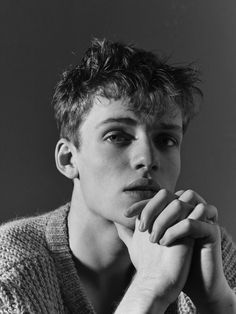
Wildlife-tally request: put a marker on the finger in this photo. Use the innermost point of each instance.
(190, 196)
(172, 214)
(136, 208)
(179, 193)
(195, 229)
(154, 207)
(125, 234)
(204, 212)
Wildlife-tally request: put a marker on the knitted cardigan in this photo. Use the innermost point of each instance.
(38, 274)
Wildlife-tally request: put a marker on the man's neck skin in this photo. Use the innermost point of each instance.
(93, 240)
(102, 258)
(95, 243)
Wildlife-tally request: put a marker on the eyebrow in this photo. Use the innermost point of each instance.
(123, 120)
(171, 126)
(133, 122)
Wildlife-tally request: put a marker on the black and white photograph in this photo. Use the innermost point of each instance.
(118, 157)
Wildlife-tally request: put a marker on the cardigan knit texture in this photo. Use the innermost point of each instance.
(38, 273)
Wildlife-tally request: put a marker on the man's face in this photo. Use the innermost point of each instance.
(117, 149)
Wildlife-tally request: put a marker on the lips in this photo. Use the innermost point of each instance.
(143, 185)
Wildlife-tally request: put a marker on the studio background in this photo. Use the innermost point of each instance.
(39, 39)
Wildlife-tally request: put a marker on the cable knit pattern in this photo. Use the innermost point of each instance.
(38, 275)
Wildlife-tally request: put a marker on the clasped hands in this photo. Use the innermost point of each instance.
(176, 246)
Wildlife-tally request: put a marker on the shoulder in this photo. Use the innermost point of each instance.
(23, 239)
(28, 272)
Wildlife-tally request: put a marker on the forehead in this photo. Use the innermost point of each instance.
(105, 111)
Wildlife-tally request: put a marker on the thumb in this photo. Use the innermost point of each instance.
(125, 234)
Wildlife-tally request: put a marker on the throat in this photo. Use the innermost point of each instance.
(101, 258)
(94, 241)
(104, 290)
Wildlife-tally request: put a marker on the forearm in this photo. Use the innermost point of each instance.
(140, 298)
(225, 303)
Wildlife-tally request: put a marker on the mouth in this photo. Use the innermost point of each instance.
(139, 195)
(142, 188)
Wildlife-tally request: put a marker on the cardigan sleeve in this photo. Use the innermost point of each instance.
(228, 248)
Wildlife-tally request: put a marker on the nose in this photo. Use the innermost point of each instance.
(144, 155)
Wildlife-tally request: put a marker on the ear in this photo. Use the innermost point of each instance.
(65, 154)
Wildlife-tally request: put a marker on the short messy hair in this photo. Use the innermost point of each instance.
(116, 70)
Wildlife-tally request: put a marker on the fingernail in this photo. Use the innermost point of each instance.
(162, 241)
(153, 237)
(141, 226)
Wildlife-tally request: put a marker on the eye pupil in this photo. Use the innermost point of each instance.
(166, 141)
(116, 137)
(119, 138)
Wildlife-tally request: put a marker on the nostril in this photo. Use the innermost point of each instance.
(154, 167)
(140, 166)
(151, 167)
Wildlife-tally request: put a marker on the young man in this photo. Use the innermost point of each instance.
(127, 242)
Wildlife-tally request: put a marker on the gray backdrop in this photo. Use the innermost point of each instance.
(38, 39)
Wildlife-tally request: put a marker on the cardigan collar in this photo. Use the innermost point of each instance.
(74, 296)
(58, 242)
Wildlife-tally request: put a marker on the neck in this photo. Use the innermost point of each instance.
(94, 241)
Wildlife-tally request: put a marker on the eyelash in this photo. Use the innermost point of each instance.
(161, 140)
(125, 138)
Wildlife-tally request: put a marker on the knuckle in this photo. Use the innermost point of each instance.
(187, 224)
(201, 208)
(177, 203)
(190, 193)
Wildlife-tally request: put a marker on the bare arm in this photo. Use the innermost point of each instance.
(176, 225)
(161, 272)
(140, 298)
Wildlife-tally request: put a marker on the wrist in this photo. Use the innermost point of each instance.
(224, 303)
(165, 291)
(151, 289)
(141, 297)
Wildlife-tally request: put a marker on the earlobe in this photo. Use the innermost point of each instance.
(65, 158)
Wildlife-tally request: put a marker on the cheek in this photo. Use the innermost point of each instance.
(171, 170)
(175, 166)
(99, 165)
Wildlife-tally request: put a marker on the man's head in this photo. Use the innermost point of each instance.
(115, 71)
(121, 114)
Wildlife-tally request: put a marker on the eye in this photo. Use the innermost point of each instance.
(166, 141)
(118, 137)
